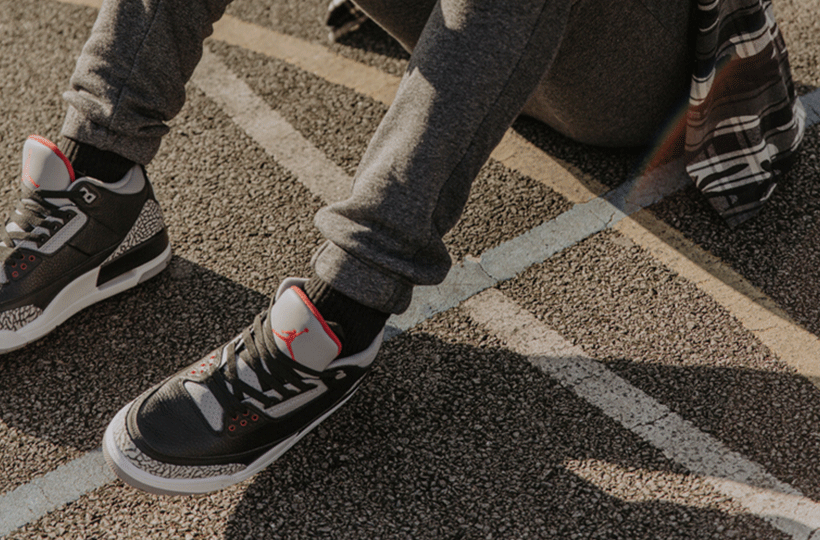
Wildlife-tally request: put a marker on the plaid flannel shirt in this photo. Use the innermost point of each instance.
(744, 122)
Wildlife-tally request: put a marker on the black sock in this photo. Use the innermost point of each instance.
(359, 324)
(87, 160)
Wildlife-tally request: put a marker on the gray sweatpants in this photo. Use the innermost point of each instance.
(600, 72)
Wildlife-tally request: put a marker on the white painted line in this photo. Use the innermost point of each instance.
(539, 244)
(70, 481)
(744, 481)
(310, 57)
(811, 102)
(753, 309)
(636, 486)
(64, 484)
(514, 151)
(271, 131)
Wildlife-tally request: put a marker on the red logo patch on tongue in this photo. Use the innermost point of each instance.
(288, 338)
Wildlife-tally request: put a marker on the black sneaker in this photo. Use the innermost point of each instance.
(227, 417)
(72, 242)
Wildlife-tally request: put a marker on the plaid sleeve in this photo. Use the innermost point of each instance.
(744, 122)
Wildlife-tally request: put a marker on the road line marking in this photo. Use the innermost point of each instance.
(742, 480)
(270, 130)
(514, 151)
(629, 485)
(64, 484)
(757, 312)
(74, 473)
(811, 102)
(310, 57)
(96, 4)
(538, 244)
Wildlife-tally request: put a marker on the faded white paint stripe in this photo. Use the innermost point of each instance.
(752, 308)
(514, 151)
(310, 57)
(538, 244)
(811, 102)
(64, 484)
(464, 281)
(731, 474)
(271, 131)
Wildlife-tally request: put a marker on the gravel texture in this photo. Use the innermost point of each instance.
(672, 341)
(452, 437)
(779, 249)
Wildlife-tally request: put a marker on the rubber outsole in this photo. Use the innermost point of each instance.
(140, 479)
(78, 295)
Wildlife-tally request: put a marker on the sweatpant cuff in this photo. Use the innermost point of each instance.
(360, 281)
(138, 149)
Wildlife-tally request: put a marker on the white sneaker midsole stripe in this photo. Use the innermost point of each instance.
(78, 295)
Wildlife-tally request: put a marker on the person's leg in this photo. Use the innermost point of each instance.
(88, 225)
(130, 78)
(620, 87)
(473, 69)
(229, 415)
(619, 70)
(219, 421)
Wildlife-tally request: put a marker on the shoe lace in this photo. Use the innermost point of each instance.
(274, 370)
(36, 220)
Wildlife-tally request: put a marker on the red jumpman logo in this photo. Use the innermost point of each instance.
(288, 338)
(27, 168)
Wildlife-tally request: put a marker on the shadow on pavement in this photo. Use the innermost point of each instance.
(371, 37)
(449, 440)
(66, 387)
(777, 251)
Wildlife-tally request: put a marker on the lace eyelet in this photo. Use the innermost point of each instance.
(243, 423)
(232, 428)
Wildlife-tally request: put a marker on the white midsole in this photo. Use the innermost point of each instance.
(133, 475)
(78, 295)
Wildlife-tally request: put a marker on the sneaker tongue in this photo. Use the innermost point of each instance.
(44, 166)
(300, 331)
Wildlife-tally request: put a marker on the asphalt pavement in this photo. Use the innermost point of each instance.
(638, 374)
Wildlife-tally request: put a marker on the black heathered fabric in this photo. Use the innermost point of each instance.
(87, 160)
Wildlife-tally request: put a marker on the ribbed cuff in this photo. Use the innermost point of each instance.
(137, 149)
(360, 281)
